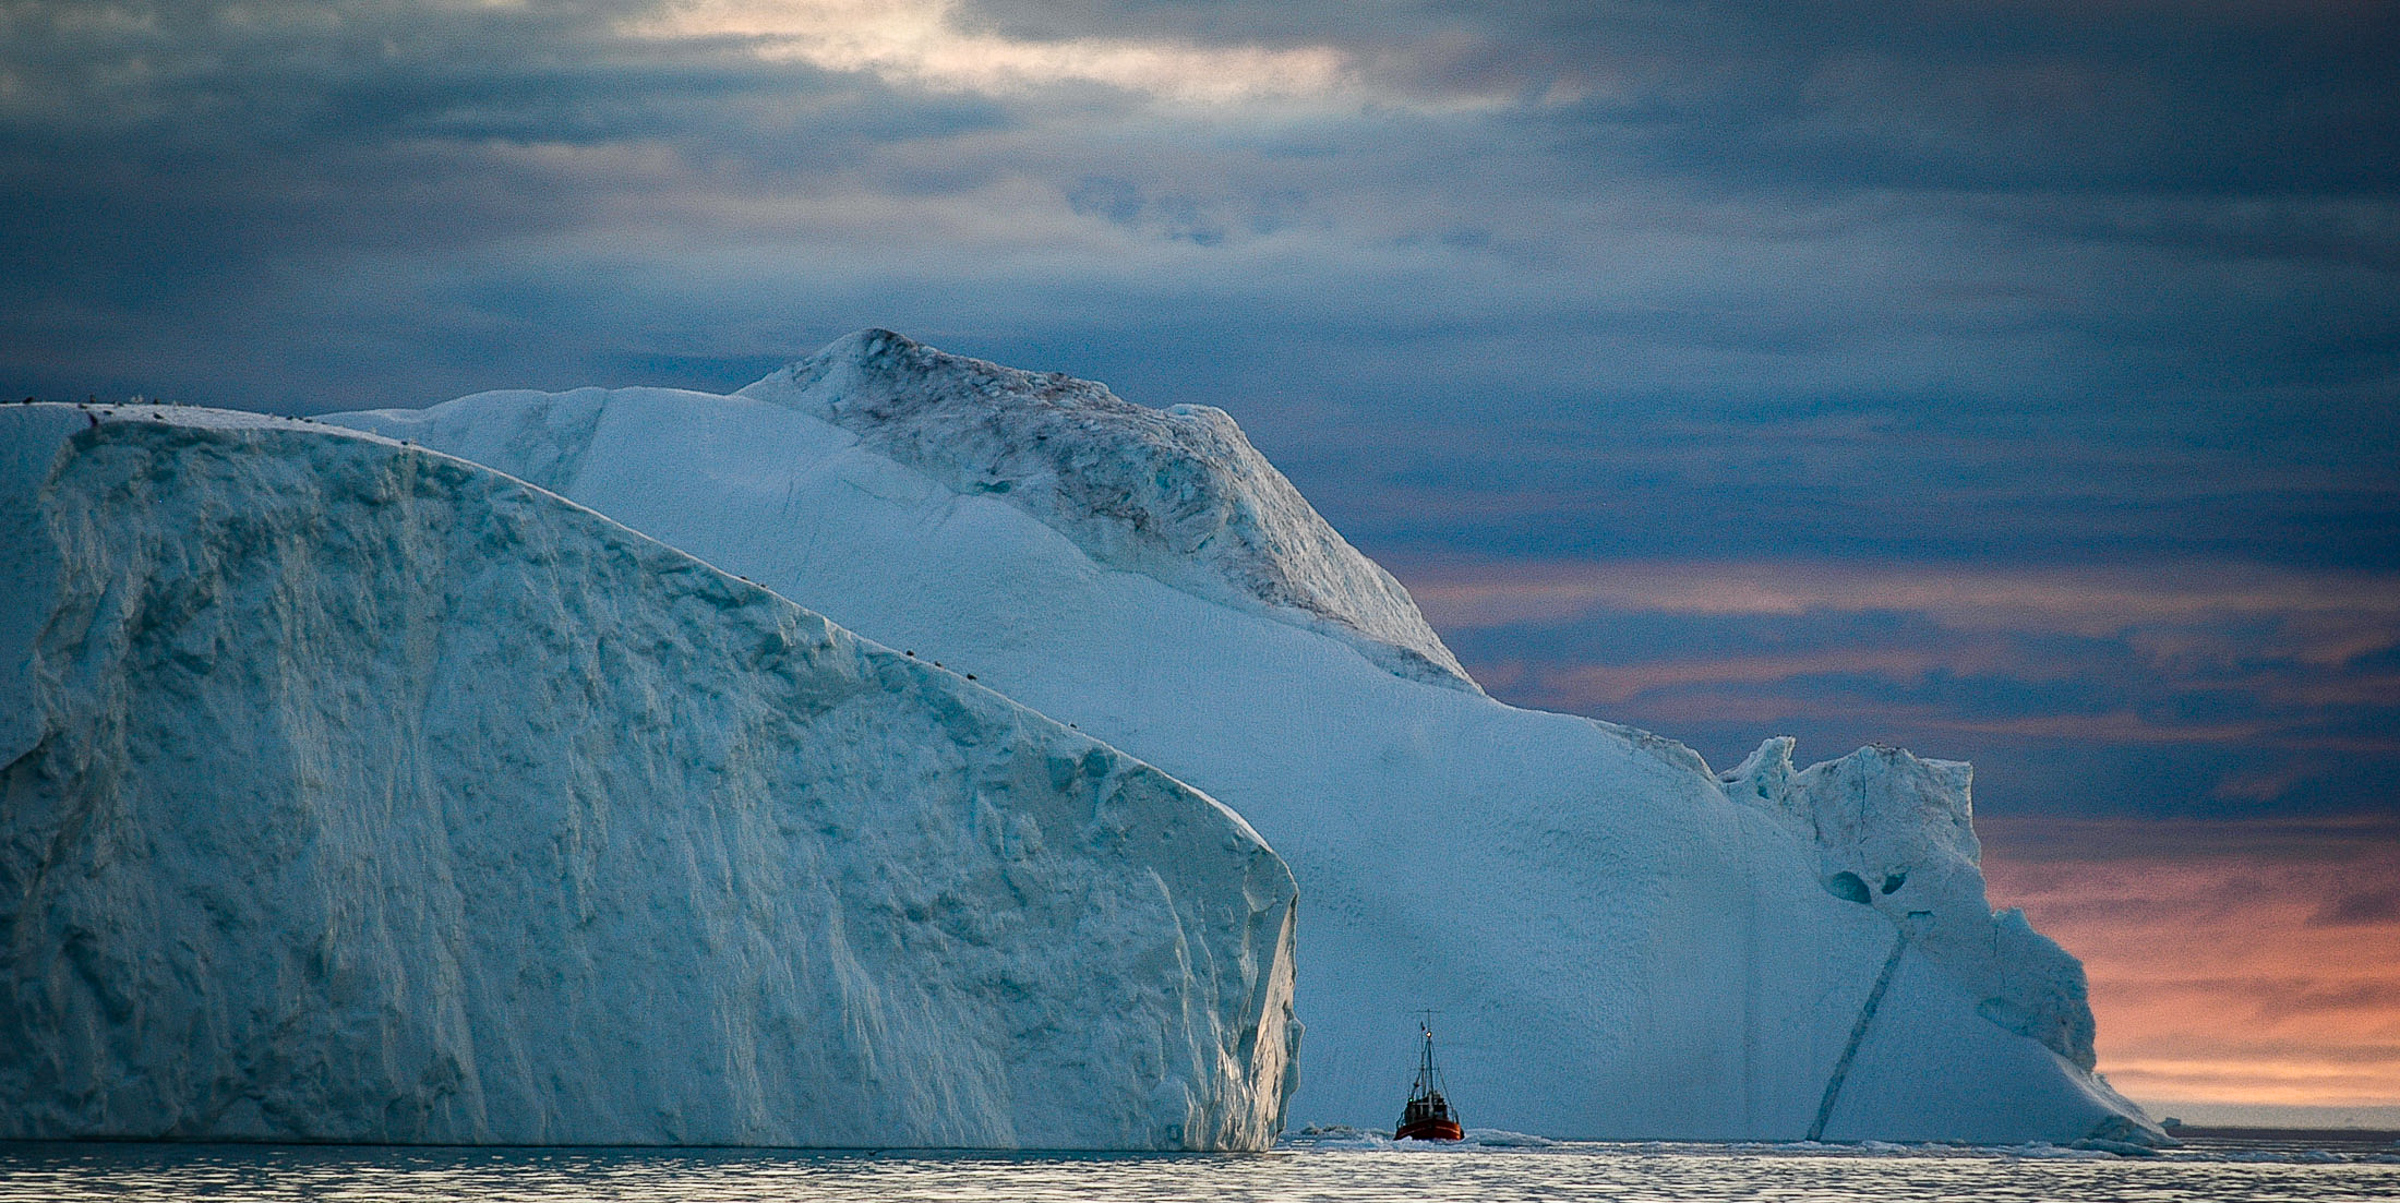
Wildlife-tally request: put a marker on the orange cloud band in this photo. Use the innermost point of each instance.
(2230, 961)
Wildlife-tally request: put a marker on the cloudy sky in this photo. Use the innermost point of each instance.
(2011, 380)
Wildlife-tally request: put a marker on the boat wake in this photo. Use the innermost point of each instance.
(1343, 1136)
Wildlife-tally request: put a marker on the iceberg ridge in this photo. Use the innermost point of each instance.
(1178, 494)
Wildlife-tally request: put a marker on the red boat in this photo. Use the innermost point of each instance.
(1428, 1115)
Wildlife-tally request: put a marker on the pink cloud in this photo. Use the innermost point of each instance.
(2329, 616)
(2251, 962)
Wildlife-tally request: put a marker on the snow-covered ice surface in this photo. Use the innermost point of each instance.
(1620, 943)
(1178, 494)
(351, 791)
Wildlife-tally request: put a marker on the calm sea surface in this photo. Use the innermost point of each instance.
(1498, 1167)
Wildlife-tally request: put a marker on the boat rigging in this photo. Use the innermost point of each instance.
(1428, 1115)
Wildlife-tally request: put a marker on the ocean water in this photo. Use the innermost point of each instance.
(1497, 1166)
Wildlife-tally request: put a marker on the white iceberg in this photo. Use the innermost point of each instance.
(1621, 945)
(354, 792)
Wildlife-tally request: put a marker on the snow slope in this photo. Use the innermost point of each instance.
(1619, 943)
(1178, 494)
(350, 791)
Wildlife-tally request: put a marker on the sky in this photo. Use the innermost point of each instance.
(2014, 381)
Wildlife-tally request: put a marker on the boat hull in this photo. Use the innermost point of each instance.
(1431, 1129)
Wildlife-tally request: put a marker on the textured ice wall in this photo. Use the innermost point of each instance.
(354, 792)
(1896, 833)
(1618, 948)
(1178, 494)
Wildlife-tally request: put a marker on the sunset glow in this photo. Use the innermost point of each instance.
(2237, 953)
(2249, 961)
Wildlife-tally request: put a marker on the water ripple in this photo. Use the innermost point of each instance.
(1334, 1171)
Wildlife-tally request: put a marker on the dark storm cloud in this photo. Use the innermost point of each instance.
(213, 188)
(1939, 279)
(2056, 96)
(1936, 217)
(2021, 285)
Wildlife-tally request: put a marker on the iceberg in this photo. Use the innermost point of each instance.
(1620, 942)
(351, 791)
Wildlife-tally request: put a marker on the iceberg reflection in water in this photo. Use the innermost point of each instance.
(1340, 1165)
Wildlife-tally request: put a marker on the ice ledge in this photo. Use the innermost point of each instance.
(1178, 494)
(1895, 832)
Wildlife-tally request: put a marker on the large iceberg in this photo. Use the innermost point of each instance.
(351, 791)
(1620, 942)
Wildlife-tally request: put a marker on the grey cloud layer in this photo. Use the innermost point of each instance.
(2034, 283)
(2212, 691)
(2051, 95)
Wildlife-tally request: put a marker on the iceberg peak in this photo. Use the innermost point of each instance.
(1177, 494)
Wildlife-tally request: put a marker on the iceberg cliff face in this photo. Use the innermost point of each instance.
(354, 792)
(1621, 944)
(1895, 833)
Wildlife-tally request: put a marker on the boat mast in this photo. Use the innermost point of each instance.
(1428, 1115)
(1427, 1085)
